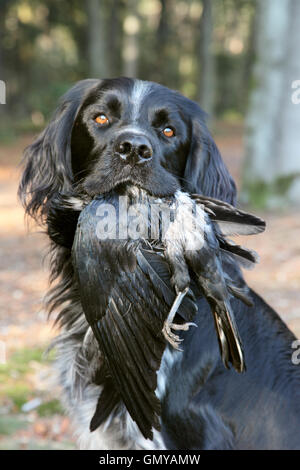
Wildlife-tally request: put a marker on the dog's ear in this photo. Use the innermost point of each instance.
(47, 162)
(205, 172)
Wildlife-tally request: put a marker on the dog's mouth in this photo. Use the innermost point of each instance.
(156, 190)
(156, 181)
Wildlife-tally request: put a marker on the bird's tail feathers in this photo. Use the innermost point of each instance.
(230, 220)
(243, 256)
(228, 337)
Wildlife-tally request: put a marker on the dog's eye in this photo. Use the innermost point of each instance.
(101, 119)
(168, 132)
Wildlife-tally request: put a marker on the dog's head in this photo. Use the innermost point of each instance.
(106, 133)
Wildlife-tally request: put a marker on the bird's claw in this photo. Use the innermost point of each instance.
(173, 339)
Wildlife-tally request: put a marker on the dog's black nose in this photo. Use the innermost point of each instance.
(133, 148)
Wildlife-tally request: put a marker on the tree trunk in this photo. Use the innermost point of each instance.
(207, 82)
(3, 72)
(98, 63)
(115, 35)
(131, 40)
(248, 60)
(161, 74)
(272, 165)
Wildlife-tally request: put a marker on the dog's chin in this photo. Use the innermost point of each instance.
(159, 183)
(148, 186)
(125, 187)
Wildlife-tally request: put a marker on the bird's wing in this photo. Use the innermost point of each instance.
(228, 220)
(126, 295)
(231, 221)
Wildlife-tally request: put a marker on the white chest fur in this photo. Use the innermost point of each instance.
(120, 431)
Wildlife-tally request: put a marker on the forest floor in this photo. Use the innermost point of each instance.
(31, 416)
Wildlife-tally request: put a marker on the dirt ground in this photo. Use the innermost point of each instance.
(24, 279)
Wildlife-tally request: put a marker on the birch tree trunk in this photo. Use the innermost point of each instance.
(272, 164)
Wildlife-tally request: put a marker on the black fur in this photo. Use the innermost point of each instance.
(205, 406)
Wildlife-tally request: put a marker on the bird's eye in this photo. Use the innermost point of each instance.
(101, 119)
(168, 132)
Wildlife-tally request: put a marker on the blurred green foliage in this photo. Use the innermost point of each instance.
(15, 389)
(50, 408)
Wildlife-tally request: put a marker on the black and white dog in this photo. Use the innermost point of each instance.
(117, 131)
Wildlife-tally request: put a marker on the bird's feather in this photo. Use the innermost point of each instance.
(230, 220)
(245, 257)
(229, 340)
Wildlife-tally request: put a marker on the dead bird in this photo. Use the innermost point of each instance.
(131, 258)
(199, 251)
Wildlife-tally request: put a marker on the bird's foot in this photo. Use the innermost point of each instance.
(173, 339)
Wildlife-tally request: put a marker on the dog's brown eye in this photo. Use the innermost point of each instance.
(101, 119)
(168, 132)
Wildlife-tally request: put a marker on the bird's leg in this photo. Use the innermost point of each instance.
(173, 339)
(180, 279)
